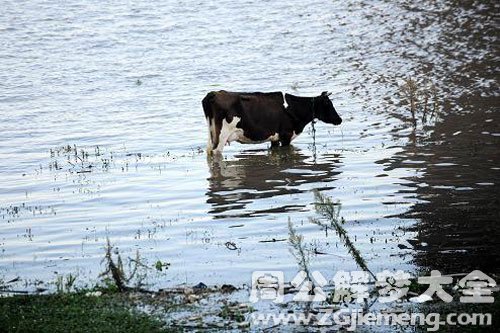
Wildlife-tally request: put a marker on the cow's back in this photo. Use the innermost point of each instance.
(230, 99)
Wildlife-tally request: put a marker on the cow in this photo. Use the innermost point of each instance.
(262, 116)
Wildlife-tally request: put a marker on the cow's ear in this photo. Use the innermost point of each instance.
(324, 93)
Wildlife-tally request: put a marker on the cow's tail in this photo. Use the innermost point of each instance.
(210, 117)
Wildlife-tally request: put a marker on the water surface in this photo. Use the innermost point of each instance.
(102, 135)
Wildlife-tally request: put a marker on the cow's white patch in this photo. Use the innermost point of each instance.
(229, 132)
(243, 139)
(274, 137)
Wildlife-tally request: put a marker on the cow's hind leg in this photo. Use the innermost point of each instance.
(222, 137)
(210, 145)
(214, 124)
(285, 139)
(214, 130)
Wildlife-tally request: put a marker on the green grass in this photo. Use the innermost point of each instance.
(73, 313)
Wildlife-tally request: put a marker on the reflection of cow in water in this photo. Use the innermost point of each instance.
(259, 174)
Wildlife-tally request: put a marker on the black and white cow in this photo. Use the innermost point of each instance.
(259, 117)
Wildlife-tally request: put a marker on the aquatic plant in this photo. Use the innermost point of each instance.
(116, 277)
(65, 284)
(297, 249)
(330, 211)
(410, 92)
(434, 94)
(114, 269)
(422, 96)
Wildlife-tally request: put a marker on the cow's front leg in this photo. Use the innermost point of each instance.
(223, 137)
(275, 144)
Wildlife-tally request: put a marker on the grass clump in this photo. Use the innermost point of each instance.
(72, 312)
(119, 277)
(232, 313)
(65, 283)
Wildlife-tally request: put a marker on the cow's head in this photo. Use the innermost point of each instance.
(325, 111)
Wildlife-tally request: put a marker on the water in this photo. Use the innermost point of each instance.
(124, 83)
